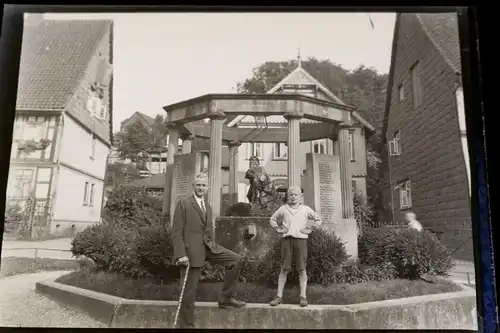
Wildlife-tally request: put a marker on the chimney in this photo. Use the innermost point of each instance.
(33, 19)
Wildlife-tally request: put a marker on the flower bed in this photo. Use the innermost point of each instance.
(340, 294)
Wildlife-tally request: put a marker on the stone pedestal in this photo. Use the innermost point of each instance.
(215, 164)
(322, 192)
(173, 142)
(293, 148)
(345, 173)
(233, 171)
(187, 141)
(347, 230)
(183, 175)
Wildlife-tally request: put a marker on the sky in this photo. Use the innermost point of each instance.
(164, 58)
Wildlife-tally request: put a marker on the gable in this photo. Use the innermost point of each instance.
(438, 30)
(300, 78)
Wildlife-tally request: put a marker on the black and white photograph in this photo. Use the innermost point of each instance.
(254, 170)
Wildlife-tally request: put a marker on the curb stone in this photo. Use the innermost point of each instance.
(439, 311)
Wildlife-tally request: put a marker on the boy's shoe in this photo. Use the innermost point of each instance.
(276, 301)
(303, 302)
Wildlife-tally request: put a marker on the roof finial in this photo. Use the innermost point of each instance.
(299, 59)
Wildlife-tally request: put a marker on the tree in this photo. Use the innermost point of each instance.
(362, 87)
(121, 173)
(138, 140)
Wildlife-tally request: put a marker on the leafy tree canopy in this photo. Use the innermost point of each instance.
(362, 87)
(138, 140)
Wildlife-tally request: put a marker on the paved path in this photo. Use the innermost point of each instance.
(54, 248)
(21, 306)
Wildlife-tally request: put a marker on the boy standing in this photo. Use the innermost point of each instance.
(291, 221)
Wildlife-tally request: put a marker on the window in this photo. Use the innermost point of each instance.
(395, 145)
(351, 145)
(91, 197)
(280, 151)
(404, 194)
(43, 183)
(401, 92)
(86, 194)
(319, 146)
(353, 187)
(254, 149)
(415, 82)
(20, 183)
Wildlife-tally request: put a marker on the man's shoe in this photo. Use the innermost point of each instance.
(303, 302)
(275, 301)
(231, 303)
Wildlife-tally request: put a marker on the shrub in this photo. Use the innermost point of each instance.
(412, 253)
(358, 273)
(132, 206)
(155, 251)
(326, 253)
(93, 242)
(109, 247)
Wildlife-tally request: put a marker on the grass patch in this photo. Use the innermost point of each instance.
(19, 265)
(337, 294)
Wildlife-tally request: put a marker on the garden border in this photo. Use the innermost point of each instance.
(439, 311)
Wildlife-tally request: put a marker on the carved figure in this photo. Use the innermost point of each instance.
(261, 185)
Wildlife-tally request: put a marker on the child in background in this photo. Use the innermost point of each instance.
(291, 221)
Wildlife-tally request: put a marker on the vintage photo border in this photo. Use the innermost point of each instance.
(10, 51)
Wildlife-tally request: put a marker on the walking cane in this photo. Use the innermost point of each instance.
(182, 295)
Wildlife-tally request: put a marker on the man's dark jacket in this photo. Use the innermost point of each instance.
(192, 230)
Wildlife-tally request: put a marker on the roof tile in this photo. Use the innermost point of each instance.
(54, 56)
(442, 29)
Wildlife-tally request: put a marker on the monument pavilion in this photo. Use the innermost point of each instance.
(327, 174)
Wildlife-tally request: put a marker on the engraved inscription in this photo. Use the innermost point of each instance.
(327, 190)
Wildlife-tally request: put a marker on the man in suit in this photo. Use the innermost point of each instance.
(193, 240)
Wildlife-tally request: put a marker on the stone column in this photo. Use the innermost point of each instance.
(293, 148)
(187, 141)
(345, 173)
(215, 163)
(173, 142)
(233, 170)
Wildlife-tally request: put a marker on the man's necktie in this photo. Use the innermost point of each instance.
(203, 210)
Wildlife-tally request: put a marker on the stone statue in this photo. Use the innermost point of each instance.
(261, 185)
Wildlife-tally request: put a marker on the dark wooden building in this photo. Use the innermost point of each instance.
(425, 162)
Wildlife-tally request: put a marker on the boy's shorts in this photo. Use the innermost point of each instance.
(293, 249)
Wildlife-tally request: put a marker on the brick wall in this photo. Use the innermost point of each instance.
(430, 139)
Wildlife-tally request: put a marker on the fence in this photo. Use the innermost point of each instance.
(33, 252)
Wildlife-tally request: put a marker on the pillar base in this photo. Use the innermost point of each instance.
(347, 230)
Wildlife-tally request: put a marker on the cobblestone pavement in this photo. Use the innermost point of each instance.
(21, 306)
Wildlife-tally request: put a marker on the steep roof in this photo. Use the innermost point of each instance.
(442, 30)
(54, 57)
(149, 120)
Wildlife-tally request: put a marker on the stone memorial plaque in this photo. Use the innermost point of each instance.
(184, 171)
(323, 193)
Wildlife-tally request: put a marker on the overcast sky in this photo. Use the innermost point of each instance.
(161, 59)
